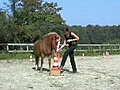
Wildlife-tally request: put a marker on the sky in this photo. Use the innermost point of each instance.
(85, 12)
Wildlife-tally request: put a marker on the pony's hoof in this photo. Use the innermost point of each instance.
(38, 68)
(40, 71)
(33, 67)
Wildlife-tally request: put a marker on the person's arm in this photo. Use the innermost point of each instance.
(63, 45)
(76, 38)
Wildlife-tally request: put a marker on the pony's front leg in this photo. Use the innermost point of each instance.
(49, 59)
(42, 61)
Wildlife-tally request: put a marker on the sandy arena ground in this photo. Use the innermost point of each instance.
(94, 73)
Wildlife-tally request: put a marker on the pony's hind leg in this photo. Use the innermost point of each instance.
(37, 62)
(49, 59)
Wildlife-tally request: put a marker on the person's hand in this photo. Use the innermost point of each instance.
(69, 40)
(58, 50)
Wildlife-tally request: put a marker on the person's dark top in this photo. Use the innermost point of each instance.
(67, 36)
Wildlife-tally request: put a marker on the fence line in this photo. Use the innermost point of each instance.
(28, 47)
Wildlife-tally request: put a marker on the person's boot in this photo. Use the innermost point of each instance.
(61, 69)
(74, 71)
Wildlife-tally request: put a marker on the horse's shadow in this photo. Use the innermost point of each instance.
(43, 69)
(47, 70)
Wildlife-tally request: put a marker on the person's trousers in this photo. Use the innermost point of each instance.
(69, 52)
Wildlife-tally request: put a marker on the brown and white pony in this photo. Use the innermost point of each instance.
(44, 47)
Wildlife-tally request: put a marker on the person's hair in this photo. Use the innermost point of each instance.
(66, 32)
(67, 29)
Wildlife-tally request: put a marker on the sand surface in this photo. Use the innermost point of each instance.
(94, 73)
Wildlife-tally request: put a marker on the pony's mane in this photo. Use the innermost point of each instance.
(49, 34)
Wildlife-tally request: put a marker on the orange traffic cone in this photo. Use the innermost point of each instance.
(104, 55)
(55, 71)
(56, 63)
(83, 56)
(107, 53)
(31, 58)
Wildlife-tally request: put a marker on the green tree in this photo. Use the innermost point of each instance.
(3, 22)
(31, 19)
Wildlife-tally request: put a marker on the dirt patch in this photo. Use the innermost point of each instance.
(94, 73)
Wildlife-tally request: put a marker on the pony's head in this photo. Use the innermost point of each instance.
(53, 38)
(55, 41)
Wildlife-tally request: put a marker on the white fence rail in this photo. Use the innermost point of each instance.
(28, 47)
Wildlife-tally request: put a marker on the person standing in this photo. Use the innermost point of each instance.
(71, 39)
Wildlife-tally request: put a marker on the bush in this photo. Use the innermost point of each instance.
(14, 55)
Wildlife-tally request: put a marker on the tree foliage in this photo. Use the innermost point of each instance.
(98, 34)
(29, 20)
